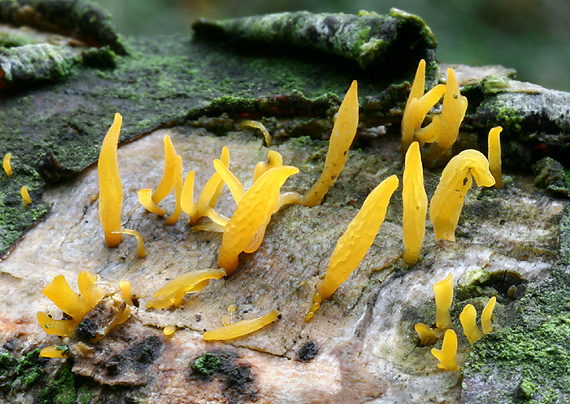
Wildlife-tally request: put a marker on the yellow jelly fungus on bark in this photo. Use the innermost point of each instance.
(178, 183)
(342, 135)
(494, 144)
(486, 316)
(443, 291)
(257, 125)
(7, 165)
(447, 355)
(169, 330)
(233, 183)
(54, 351)
(426, 334)
(414, 200)
(125, 288)
(110, 186)
(145, 199)
(468, 319)
(63, 328)
(167, 181)
(358, 237)
(252, 212)
(25, 196)
(317, 299)
(447, 201)
(274, 159)
(241, 328)
(141, 251)
(172, 293)
(211, 191)
(187, 196)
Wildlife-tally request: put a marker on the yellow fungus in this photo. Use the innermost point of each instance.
(317, 299)
(447, 201)
(6, 164)
(25, 196)
(141, 251)
(187, 195)
(125, 288)
(486, 316)
(417, 107)
(257, 125)
(110, 186)
(447, 355)
(443, 291)
(494, 144)
(235, 186)
(63, 328)
(358, 237)
(61, 294)
(178, 183)
(54, 351)
(167, 181)
(240, 328)
(426, 334)
(89, 291)
(251, 214)
(224, 158)
(145, 199)
(274, 159)
(468, 319)
(342, 135)
(415, 204)
(172, 293)
(211, 191)
(169, 330)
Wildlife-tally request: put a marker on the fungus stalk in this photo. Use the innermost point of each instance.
(110, 186)
(447, 355)
(6, 164)
(25, 196)
(486, 316)
(468, 319)
(342, 135)
(415, 204)
(426, 334)
(257, 125)
(141, 251)
(447, 201)
(356, 240)
(494, 143)
(241, 328)
(443, 291)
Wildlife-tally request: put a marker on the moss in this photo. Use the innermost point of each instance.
(207, 364)
(29, 368)
(61, 389)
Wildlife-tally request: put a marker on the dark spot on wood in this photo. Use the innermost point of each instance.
(87, 329)
(308, 351)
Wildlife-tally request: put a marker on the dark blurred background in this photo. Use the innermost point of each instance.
(532, 36)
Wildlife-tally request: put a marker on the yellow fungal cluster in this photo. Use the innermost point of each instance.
(241, 328)
(7, 165)
(443, 291)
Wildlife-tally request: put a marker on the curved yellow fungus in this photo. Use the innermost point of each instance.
(169, 330)
(72, 304)
(167, 181)
(414, 199)
(6, 164)
(447, 355)
(125, 288)
(257, 125)
(25, 195)
(234, 185)
(426, 334)
(417, 107)
(274, 159)
(178, 183)
(358, 237)
(187, 196)
(443, 291)
(342, 135)
(145, 199)
(54, 351)
(172, 293)
(495, 163)
(468, 319)
(211, 191)
(251, 214)
(486, 316)
(141, 251)
(224, 158)
(241, 328)
(110, 186)
(447, 201)
(317, 300)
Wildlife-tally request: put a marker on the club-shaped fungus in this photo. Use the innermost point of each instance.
(257, 125)
(356, 240)
(417, 106)
(110, 186)
(167, 181)
(141, 251)
(414, 200)
(468, 319)
(447, 201)
(25, 196)
(172, 293)
(125, 288)
(74, 305)
(178, 184)
(342, 135)
(426, 334)
(443, 291)
(447, 355)
(241, 328)
(54, 351)
(253, 211)
(6, 164)
(494, 144)
(486, 315)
